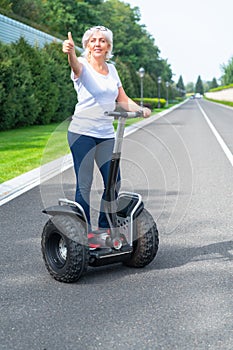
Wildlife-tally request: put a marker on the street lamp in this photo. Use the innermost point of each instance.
(167, 86)
(141, 74)
(159, 82)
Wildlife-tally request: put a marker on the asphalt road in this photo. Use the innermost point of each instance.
(183, 300)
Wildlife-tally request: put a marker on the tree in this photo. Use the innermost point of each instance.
(35, 85)
(45, 90)
(126, 76)
(137, 48)
(228, 72)
(30, 9)
(60, 77)
(94, 2)
(18, 105)
(6, 5)
(199, 88)
(190, 87)
(58, 15)
(213, 84)
(180, 86)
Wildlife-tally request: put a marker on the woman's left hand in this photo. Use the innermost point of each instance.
(146, 112)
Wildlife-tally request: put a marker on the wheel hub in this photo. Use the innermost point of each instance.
(62, 249)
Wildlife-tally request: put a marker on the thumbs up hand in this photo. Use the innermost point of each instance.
(68, 45)
(70, 36)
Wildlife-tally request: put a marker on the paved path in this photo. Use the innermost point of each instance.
(183, 299)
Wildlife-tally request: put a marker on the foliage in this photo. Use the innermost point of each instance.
(17, 97)
(45, 90)
(149, 87)
(189, 87)
(227, 103)
(199, 86)
(209, 85)
(180, 87)
(222, 87)
(228, 72)
(126, 75)
(151, 103)
(60, 78)
(35, 86)
(6, 4)
(213, 84)
(27, 8)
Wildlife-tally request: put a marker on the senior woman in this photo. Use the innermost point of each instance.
(91, 132)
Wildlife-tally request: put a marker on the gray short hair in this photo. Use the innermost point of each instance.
(107, 34)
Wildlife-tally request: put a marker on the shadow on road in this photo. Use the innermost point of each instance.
(167, 258)
(177, 256)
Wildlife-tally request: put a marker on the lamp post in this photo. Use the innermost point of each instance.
(159, 82)
(141, 74)
(167, 86)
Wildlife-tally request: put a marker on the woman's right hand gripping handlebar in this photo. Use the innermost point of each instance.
(68, 47)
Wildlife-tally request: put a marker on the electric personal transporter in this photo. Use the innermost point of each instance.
(132, 238)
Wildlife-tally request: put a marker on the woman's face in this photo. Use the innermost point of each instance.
(98, 45)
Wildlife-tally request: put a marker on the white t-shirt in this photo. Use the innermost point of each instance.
(96, 94)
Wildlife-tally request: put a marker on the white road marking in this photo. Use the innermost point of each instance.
(220, 140)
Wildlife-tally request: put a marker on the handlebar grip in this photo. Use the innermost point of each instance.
(124, 114)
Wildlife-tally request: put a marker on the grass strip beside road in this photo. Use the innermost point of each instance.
(227, 103)
(27, 148)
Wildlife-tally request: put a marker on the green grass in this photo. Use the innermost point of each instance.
(27, 148)
(223, 87)
(128, 122)
(227, 103)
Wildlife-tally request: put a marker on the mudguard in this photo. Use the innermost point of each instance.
(64, 210)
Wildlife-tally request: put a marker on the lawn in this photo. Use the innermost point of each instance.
(27, 148)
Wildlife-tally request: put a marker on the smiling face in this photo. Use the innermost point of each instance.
(98, 45)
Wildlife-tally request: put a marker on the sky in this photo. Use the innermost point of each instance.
(196, 37)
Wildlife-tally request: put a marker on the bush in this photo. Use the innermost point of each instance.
(227, 103)
(151, 103)
(219, 88)
(126, 78)
(60, 76)
(46, 92)
(17, 101)
(35, 85)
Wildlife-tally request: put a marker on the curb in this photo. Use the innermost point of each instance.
(25, 182)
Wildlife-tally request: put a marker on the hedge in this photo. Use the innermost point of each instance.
(219, 88)
(35, 85)
(227, 103)
(151, 103)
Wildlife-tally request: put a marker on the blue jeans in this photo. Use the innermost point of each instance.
(85, 151)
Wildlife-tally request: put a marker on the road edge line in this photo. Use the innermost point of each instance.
(219, 138)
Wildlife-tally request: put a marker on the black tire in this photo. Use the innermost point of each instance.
(146, 241)
(64, 248)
